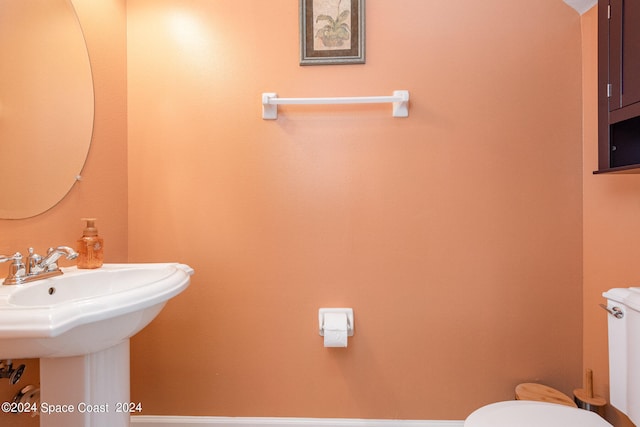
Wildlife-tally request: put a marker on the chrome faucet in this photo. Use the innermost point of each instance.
(36, 266)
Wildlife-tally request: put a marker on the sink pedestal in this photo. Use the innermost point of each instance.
(89, 390)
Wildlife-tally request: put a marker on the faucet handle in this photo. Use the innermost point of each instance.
(15, 257)
(17, 269)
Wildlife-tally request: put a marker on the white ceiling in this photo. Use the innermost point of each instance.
(581, 5)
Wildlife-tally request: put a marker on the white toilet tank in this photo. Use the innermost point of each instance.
(623, 305)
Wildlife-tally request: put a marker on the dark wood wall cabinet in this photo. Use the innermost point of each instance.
(618, 86)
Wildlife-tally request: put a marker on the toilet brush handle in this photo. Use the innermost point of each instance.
(588, 382)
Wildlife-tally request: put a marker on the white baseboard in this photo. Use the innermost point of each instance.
(175, 421)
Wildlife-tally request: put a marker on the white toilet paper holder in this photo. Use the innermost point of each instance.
(347, 311)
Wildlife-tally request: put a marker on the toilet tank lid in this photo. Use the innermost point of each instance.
(627, 296)
(528, 413)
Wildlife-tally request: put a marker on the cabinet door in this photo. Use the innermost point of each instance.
(624, 53)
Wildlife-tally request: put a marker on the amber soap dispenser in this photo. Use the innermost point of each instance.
(90, 246)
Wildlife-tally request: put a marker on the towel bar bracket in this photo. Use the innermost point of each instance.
(269, 110)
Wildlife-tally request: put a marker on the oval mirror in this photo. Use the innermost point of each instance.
(46, 104)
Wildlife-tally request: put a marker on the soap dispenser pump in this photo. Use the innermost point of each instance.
(90, 246)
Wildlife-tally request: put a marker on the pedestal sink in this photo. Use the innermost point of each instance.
(79, 325)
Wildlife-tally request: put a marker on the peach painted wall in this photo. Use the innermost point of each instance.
(455, 234)
(103, 190)
(611, 213)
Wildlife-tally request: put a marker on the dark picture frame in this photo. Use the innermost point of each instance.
(332, 32)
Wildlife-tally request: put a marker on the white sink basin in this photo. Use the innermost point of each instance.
(85, 311)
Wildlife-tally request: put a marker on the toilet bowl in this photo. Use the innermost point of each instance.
(528, 413)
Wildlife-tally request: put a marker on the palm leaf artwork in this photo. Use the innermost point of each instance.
(336, 31)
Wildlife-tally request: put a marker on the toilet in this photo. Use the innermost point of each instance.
(623, 305)
(529, 413)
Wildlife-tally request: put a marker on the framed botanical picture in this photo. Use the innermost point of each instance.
(331, 32)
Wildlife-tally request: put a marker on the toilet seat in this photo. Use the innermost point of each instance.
(527, 413)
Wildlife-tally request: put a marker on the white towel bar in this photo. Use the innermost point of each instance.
(400, 100)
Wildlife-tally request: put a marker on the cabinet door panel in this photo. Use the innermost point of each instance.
(615, 53)
(630, 52)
